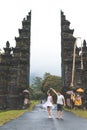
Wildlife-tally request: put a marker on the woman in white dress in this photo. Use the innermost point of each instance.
(48, 104)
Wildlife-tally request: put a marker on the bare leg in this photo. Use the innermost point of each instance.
(60, 114)
(49, 112)
(57, 114)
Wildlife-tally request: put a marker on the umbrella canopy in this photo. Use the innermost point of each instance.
(69, 92)
(26, 91)
(80, 90)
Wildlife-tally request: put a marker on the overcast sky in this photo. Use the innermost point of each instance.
(45, 28)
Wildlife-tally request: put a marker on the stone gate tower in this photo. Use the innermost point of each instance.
(67, 45)
(67, 52)
(15, 68)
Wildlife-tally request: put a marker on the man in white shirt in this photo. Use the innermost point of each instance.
(60, 103)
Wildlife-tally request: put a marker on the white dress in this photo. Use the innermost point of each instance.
(48, 102)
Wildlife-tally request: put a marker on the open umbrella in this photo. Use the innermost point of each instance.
(80, 90)
(25, 91)
(69, 92)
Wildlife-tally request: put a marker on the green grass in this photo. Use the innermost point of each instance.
(81, 113)
(78, 112)
(8, 115)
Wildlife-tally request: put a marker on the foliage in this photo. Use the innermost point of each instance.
(36, 94)
(40, 86)
(35, 89)
(37, 83)
(46, 75)
(51, 81)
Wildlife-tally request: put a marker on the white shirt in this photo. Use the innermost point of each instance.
(60, 99)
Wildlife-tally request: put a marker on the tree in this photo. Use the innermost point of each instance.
(36, 92)
(52, 81)
(40, 86)
(46, 75)
(37, 83)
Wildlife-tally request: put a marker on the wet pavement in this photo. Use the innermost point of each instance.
(38, 120)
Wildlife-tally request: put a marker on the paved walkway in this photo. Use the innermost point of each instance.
(38, 120)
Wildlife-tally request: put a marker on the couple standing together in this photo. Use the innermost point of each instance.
(60, 103)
